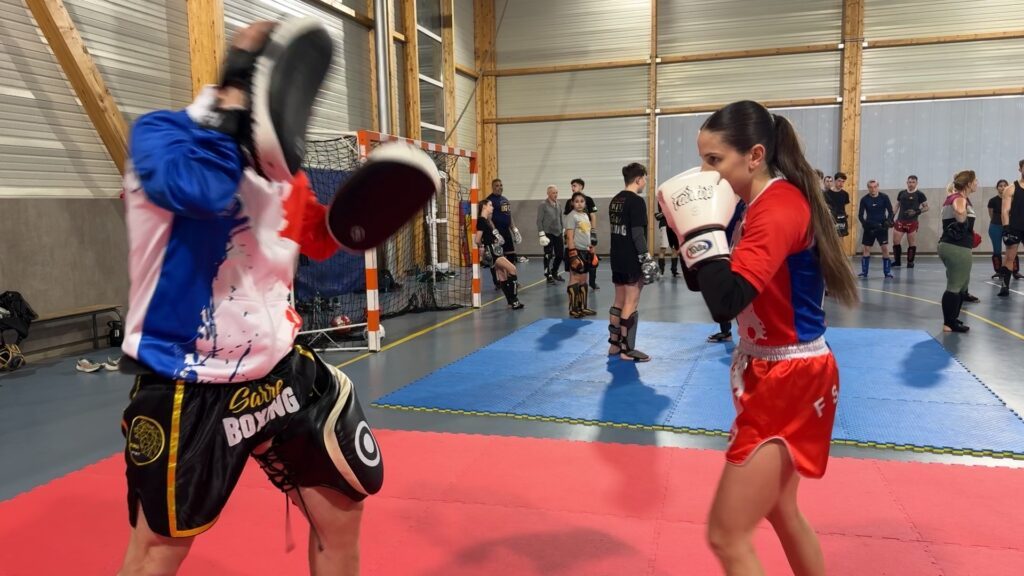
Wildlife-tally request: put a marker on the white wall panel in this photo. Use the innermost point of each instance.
(344, 100)
(400, 68)
(988, 64)
(567, 92)
(464, 33)
(934, 139)
(531, 156)
(465, 132)
(545, 32)
(767, 78)
(692, 26)
(48, 145)
(818, 127)
(141, 49)
(888, 19)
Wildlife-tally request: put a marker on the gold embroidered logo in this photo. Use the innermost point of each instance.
(145, 440)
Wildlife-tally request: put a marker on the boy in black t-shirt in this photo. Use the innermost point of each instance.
(837, 200)
(632, 265)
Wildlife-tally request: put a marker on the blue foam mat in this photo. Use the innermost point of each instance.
(898, 387)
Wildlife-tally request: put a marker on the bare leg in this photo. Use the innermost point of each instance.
(150, 554)
(337, 519)
(745, 495)
(796, 535)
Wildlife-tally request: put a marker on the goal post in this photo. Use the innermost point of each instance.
(430, 264)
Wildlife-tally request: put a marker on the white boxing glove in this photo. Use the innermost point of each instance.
(698, 206)
(544, 240)
(517, 238)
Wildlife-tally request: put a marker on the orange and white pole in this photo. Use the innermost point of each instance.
(370, 262)
(474, 198)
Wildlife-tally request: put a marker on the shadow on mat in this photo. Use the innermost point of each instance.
(920, 368)
(628, 400)
(552, 552)
(560, 335)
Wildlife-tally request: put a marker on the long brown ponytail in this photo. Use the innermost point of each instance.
(746, 123)
(789, 159)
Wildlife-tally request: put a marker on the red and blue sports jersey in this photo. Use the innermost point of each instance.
(212, 252)
(773, 250)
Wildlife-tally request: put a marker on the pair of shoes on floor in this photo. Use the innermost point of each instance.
(86, 365)
(720, 337)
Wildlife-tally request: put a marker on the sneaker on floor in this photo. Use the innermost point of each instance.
(968, 297)
(86, 365)
(112, 364)
(560, 278)
(550, 281)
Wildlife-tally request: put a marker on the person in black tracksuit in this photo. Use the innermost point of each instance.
(504, 225)
(1013, 229)
(875, 215)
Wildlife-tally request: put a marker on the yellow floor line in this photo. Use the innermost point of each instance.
(971, 314)
(429, 329)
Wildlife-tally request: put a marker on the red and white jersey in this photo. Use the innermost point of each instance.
(212, 252)
(773, 250)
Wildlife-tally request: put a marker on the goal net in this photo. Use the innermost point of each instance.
(427, 265)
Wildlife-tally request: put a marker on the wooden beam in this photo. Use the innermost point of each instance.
(752, 53)
(205, 41)
(486, 93)
(348, 12)
(606, 65)
(849, 131)
(374, 105)
(788, 103)
(412, 70)
(946, 94)
(467, 71)
(397, 36)
(393, 73)
(652, 129)
(946, 39)
(412, 115)
(84, 76)
(448, 69)
(632, 112)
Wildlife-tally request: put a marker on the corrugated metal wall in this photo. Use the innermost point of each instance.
(464, 33)
(886, 19)
(344, 100)
(571, 31)
(141, 49)
(465, 132)
(692, 26)
(48, 146)
(817, 126)
(933, 139)
(567, 92)
(535, 155)
(988, 64)
(768, 78)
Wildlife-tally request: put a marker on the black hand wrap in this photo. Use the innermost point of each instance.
(238, 69)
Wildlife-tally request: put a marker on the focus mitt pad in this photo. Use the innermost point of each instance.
(382, 195)
(286, 79)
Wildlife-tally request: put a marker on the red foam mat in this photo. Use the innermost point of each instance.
(468, 505)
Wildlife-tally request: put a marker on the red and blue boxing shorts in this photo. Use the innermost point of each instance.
(785, 393)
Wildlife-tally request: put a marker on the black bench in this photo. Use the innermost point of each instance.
(94, 311)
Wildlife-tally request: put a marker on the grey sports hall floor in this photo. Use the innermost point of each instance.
(54, 420)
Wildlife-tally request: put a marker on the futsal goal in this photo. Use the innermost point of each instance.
(429, 264)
